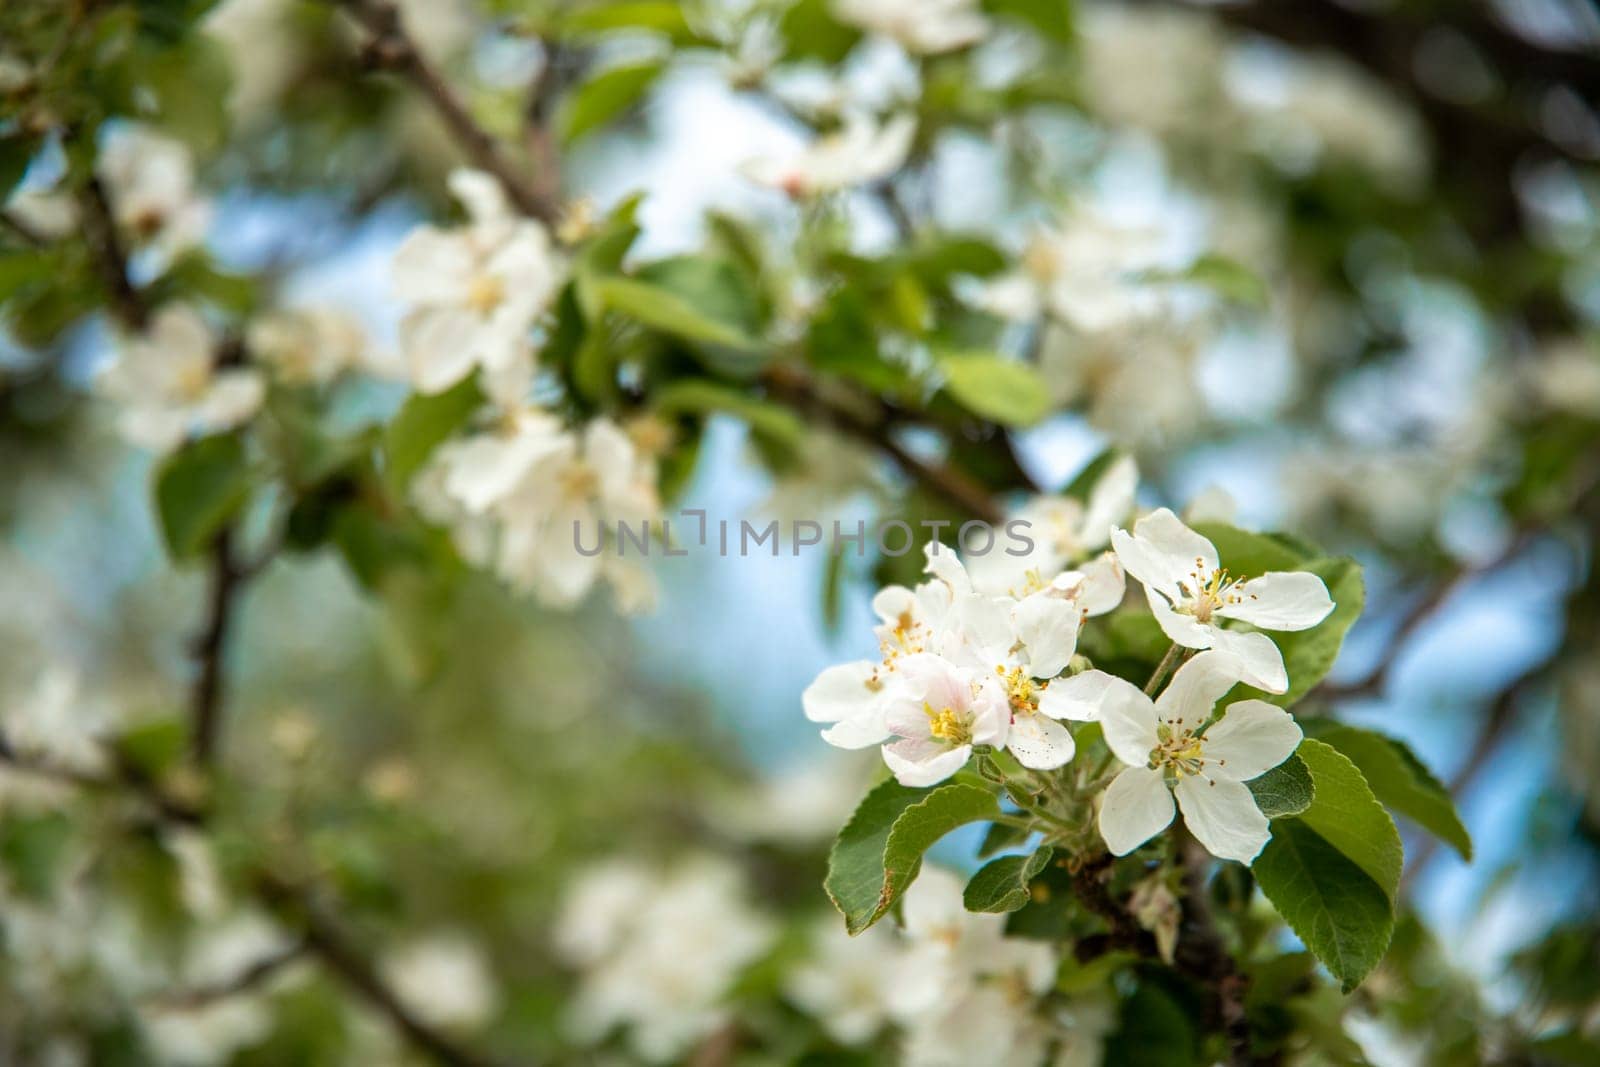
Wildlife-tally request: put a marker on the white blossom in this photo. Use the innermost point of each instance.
(475, 291)
(444, 978)
(307, 346)
(1166, 752)
(1191, 595)
(938, 713)
(149, 180)
(660, 961)
(168, 385)
(921, 27)
(858, 153)
(848, 983)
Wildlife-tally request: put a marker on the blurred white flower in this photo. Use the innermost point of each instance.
(847, 983)
(57, 722)
(968, 994)
(149, 180)
(201, 1035)
(1157, 69)
(167, 384)
(474, 291)
(859, 153)
(1566, 377)
(257, 37)
(1163, 754)
(921, 27)
(443, 978)
(307, 346)
(659, 965)
(1153, 399)
(48, 212)
(801, 805)
(1192, 595)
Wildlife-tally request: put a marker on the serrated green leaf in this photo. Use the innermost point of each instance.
(422, 424)
(1249, 554)
(879, 852)
(1002, 885)
(1287, 789)
(198, 490)
(1342, 915)
(1401, 782)
(605, 96)
(1347, 814)
(999, 389)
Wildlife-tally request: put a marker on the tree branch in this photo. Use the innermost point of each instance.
(210, 649)
(128, 302)
(389, 47)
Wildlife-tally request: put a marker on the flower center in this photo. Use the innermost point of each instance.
(580, 481)
(948, 725)
(907, 638)
(485, 292)
(1204, 592)
(1021, 691)
(1178, 750)
(193, 378)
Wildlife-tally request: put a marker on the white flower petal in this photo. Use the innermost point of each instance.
(844, 691)
(1110, 501)
(1039, 742)
(918, 763)
(1250, 739)
(1262, 663)
(1084, 697)
(1129, 721)
(1047, 626)
(1136, 807)
(944, 565)
(1196, 687)
(1222, 815)
(1100, 585)
(432, 267)
(1281, 600)
(1183, 629)
(1163, 552)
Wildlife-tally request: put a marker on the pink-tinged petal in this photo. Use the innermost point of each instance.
(1183, 629)
(1084, 698)
(1136, 807)
(1110, 501)
(1281, 600)
(1251, 738)
(1261, 660)
(1039, 742)
(935, 680)
(1129, 725)
(1047, 627)
(915, 766)
(1196, 687)
(1222, 815)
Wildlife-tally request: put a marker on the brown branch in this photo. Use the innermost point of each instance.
(128, 302)
(210, 649)
(327, 941)
(389, 47)
(793, 388)
(249, 978)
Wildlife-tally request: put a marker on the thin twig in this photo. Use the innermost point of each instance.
(391, 48)
(127, 300)
(249, 978)
(206, 696)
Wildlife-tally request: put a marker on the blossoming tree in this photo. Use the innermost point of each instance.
(409, 791)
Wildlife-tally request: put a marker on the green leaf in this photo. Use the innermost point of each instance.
(1287, 789)
(198, 490)
(32, 850)
(1051, 18)
(422, 424)
(1335, 907)
(652, 16)
(1249, 554)
(775, 424)
(1229, 279)
(605, 96)
(811, 32)
(1346, 813)
(1002, 885)
(664, 310)
(879, 852)
(1401, 782)
(999, 389)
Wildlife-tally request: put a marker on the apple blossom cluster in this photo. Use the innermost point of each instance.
(967, 668)
(660, 958)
